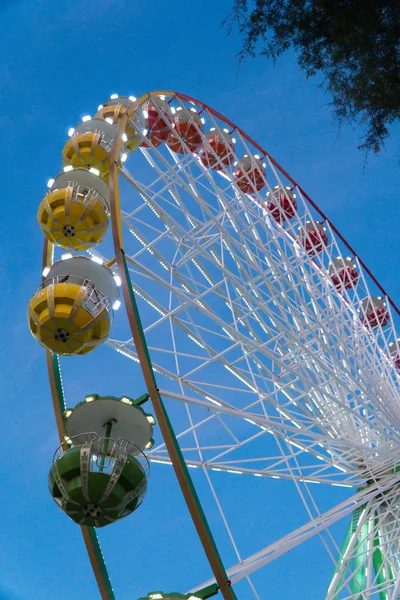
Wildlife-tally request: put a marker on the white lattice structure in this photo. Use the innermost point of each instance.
(277, 370)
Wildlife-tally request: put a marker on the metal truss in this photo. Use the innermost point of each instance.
(275, 372)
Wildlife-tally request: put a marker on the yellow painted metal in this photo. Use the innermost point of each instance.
(86, 150)
(110, 262)
(60, 321)
(71, 223)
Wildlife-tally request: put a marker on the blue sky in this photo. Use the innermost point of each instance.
(59, 61)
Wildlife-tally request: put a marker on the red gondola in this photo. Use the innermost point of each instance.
(249, 174)
(217, 150)
(373, 311)
(313, 237)
(282, 203)
(158, 115)
(188, 127)
(343, 273)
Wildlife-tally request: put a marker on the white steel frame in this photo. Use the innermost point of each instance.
(247, 333)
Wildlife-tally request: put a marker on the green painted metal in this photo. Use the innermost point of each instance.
(57, 378)
(208, 592)
(95, 503)
(357, 582)
(92, 533)
(101, 562)
(166, 417)
(142, 399)
(358, 566)
(203, 594)
(378, 564)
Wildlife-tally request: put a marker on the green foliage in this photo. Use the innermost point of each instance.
(353, 44)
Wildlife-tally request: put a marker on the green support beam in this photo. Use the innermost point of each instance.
(208, 592)
(89, 534)
(171, 442)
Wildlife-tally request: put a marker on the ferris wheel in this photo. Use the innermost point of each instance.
(248, 312)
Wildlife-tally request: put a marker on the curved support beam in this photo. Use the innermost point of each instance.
(181, 471)
(88, 533)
